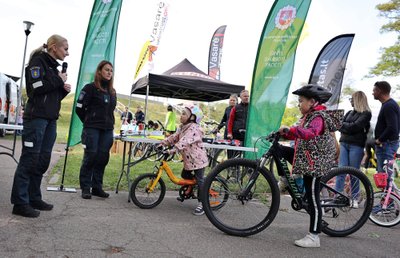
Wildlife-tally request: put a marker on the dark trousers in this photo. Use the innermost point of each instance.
(38, 139)
(97, 144)
(312, 193)
(312, 188)
(199, 175)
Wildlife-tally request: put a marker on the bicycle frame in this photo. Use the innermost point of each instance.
(163, 166)
(390, 189)
(297, 196)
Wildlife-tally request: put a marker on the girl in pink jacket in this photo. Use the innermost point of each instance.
(188, 140)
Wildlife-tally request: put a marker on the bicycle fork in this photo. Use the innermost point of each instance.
(153, 183)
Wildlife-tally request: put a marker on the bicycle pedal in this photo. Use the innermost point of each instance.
(180, 199)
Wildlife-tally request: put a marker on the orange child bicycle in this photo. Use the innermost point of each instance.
(148, 190)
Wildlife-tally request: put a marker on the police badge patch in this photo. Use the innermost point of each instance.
(35, 72)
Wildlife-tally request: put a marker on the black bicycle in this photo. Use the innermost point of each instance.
(254, 195)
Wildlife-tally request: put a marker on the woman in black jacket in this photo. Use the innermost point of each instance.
(45, 88)
(354, 132)
(95, 108)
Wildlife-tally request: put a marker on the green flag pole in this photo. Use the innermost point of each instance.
(100, 43)
(273, 68)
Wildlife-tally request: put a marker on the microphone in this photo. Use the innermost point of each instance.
(64, 67)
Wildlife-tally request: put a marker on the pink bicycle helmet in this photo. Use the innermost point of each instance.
(196, 112)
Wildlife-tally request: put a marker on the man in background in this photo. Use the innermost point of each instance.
(238, 117)
(126, 116)
(387, 126)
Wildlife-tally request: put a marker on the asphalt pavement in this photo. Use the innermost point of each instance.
(114, 227)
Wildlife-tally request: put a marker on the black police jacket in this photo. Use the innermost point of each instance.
(95, 108)
(45, 89)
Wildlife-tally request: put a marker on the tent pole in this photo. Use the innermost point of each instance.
(145, 102)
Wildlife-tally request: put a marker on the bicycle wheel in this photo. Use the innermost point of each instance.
(221, 155)
(150, 151)
(241, 215)
(218, 157)
(218, 193)
(140, 194)
(139, 150)
(345, 211)
(388, 217)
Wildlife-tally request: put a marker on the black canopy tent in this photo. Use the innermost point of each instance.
(185, 81)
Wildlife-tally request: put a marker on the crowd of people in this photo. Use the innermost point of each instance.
(46, 86)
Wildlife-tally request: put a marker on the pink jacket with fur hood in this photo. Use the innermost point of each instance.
(188, 140)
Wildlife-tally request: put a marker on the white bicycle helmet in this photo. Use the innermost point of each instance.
(196, 112)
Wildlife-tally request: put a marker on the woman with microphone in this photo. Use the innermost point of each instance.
(45, 88)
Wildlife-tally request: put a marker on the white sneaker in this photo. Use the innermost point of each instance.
(354, 204)
(310, 240)
(199, 210)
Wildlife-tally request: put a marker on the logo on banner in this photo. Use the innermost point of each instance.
(285, 17)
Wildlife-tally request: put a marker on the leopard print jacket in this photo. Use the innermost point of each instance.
(315, 157)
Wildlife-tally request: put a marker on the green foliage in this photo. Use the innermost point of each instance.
(291, 116)
(347, 91)
(389, 63)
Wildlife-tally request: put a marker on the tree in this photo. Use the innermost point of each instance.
(389, 62)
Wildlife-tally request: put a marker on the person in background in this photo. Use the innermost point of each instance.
(139, 115)
(233, 100)
(170, 121)
(45, 87)
(20, 119)
(126, 116)
(95, 108)
(354, 130)
(314, 142)
(238, 118)
(387, 126)
(188, 140)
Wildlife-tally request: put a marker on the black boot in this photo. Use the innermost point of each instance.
(42, 205)
(86, 194)
(99, 193)
(25, 210)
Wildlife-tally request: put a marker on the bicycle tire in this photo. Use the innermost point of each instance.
(345, 214)
(218, 157)
(218, 193)
(140, 195)
(242, 217)
(139, 149)
(388, 217)
(221, 155)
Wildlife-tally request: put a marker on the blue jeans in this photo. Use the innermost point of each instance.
(38, 138)
(350, 155)
(385, 152)
(97, 144)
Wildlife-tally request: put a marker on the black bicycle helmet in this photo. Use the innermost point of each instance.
(316, 92)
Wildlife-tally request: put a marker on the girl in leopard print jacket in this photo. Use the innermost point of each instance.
(314, 153)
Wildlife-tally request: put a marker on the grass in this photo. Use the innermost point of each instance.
(157, 111)
(112, 171)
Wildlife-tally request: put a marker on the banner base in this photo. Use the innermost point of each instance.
(61, 189)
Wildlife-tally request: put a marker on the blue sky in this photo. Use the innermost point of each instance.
(188, 33)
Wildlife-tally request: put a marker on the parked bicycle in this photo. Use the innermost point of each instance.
(254, 195)
(386, 209)
(148, 190)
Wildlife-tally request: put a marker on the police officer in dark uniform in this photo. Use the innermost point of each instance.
(45, 87)
(238, 118)
(95, 108)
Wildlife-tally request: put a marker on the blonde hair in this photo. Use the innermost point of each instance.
(54, 40)
(360, 102)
